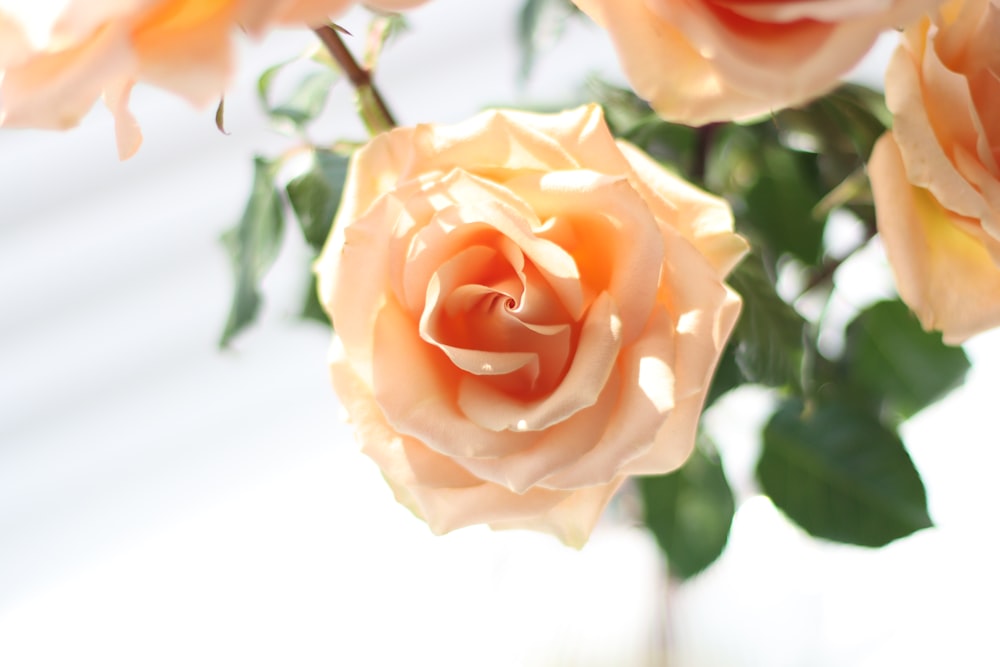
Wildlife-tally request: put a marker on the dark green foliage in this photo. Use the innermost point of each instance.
(898, 365)
(781, 203)
(315, 195)
(689, 512)
(842, 475)
(253, 245)
(306, 100)
(770, 336)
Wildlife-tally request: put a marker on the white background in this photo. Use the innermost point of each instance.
(164, 503)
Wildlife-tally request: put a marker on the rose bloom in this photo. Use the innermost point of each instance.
(935, 177)
(54, 65)
(527, 312)
(698, 61)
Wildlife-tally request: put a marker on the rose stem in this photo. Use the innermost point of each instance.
(703, 144)
(374, 112)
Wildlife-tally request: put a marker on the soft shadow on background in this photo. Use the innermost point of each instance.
(165, 503)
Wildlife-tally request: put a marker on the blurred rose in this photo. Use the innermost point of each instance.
(528, 312)
(698, 61)
(935, 177)
(54, 66)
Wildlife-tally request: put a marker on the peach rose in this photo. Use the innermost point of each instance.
(528, 312)
(699, 61)
(935, 177)
(54, 66)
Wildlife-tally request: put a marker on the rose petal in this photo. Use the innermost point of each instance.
(429, 484)
(573, 519)
(55, 90)
(943, 273)
(596, 352)
(608, 229)
(703, 219)
(927, 165)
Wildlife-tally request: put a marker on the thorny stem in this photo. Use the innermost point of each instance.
(374, 111)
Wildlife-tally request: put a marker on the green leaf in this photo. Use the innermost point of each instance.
(253, 245)
(889, 356)
(539, 24)
(382, 29)
(312, 309)
(689, 512)
(266, 80)
(861, 115)
(624, 111)
(770, 335)
(781, 204)
(307, 100)
(838, 472)
(315, 195)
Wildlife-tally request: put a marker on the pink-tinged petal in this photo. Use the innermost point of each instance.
(943, 273)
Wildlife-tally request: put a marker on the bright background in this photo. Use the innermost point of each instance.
(164, 503)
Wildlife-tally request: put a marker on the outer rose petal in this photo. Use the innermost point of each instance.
(55, 90)
(936, 178)
(529, 312)
(14, 42)
(699, 61)
(52, 71)
(446, 495)
(944, 273)
(257, 15)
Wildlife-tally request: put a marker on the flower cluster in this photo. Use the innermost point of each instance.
(56, 64)
(528, 310)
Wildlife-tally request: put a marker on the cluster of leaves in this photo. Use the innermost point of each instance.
(831, 459)
(312, 195)
(831, 455)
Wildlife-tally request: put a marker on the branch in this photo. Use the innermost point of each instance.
(374, 112)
